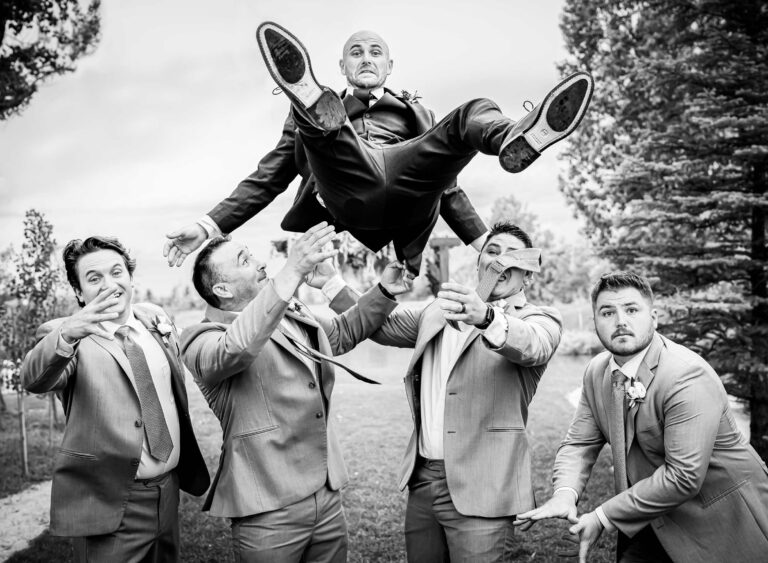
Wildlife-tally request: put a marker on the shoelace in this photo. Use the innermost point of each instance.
(276, 91)
(527, 103)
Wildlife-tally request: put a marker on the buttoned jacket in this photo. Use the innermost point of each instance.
(101, 448)
(276, 412)
(693, 476)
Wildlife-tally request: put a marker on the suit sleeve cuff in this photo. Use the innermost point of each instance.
(570, 490)
(496, 333)
(209, 226)
(64, 348)
(604, 519)
(333, 287)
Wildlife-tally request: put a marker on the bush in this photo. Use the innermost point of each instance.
(579, 342)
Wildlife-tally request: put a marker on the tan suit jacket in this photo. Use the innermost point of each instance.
(693, 477)
(101, 449)
(487, 458)
(280, 442)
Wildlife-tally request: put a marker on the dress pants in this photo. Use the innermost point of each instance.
(644, 547)
(436, 532)
(311, 530)
(370, 188)
(148, 532)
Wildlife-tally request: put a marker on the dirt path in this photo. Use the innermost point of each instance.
(23, 517)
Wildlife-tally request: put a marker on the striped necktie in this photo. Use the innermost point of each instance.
(618, 439)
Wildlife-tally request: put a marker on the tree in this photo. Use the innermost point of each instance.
(40, 39)
(33, 289)
(670, 168)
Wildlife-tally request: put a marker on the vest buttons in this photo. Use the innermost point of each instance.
(138, 423)
(318, 415)
(367, 115)
(312, 385)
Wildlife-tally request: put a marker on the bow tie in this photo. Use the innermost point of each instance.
(363, 95)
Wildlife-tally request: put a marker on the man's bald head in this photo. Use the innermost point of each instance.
(365, 60)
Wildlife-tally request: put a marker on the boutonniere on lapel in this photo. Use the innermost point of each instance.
(408, 97)
(635, 393)
(163, 327)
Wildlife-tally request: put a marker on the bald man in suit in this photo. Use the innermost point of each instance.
(375, 162)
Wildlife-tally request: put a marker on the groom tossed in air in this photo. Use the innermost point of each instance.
(374, 163)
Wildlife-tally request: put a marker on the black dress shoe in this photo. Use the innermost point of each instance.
(288, 63)
(553, 119)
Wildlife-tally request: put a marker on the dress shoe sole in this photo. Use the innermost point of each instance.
(288, 63)
(556, 117)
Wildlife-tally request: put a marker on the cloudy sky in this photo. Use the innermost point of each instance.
(175, 107)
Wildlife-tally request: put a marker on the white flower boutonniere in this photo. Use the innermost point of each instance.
(635, 393)
(163, 327)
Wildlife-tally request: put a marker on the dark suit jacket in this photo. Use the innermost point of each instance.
(288, 159)
(693, 477)
(101, 448)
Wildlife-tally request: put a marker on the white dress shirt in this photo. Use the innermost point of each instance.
(439, 358)
(149, 467)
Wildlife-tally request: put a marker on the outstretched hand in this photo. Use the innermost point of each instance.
(588, 528)
(396, 278)
(308, 250)
(88, 320)
(561, 505)
(460, 303)
(321, 274)
(183, 242)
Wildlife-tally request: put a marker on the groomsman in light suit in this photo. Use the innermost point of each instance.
(255, 358)
(688, 486)
(128, 445)
(468, 465)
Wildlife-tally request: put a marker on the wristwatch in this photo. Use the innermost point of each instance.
(489, 315)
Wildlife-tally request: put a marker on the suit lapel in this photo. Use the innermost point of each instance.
(114, 349)
(645, 374)
(433, 323)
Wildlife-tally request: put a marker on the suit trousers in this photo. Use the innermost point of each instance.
(148, 532)
(395, 189)
(311, 530)
(644, 547)
(436, 532)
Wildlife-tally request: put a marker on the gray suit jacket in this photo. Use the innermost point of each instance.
(487, 458)
(280, 443)
(693, 476)
(101, 448)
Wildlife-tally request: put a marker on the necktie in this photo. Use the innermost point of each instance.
(618, 440)
(362, 95)
(155, 429)
(319, 357)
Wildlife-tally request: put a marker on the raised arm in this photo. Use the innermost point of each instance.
(273, 175)
(213, 355)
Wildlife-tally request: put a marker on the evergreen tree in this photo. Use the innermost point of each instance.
(670, 168)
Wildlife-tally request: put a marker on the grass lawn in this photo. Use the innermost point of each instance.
(374, 424)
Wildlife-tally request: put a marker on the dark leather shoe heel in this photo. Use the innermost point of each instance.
(517, 155)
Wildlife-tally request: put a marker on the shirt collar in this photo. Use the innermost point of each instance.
(132, 322)
(631, 366)
(377, 93)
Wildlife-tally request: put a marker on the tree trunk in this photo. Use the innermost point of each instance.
(51, 418)
(758, 401)
(23, 430)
